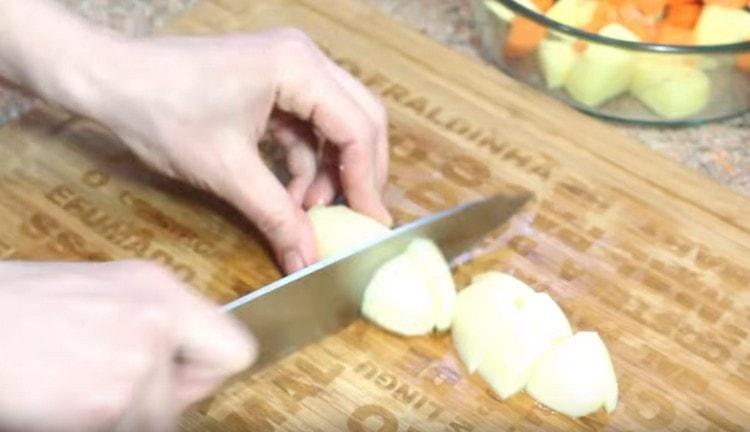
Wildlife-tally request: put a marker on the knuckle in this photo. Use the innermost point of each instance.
(293, 41)
(294, 33)
(151, 271)
(362, 132)
(273, 223)
(154, 321)
(298, 61)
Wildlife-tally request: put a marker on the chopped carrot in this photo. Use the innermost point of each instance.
(728, 3)
(684, 15)
(650, 8)
(635, 21)
(743, 62)
(524, 37)
(679, 2)
(628, 11)
(645, 32)
(604, 14)
(668, 34)
(543, 5)
(617, 3)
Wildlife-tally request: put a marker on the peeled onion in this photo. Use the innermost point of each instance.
(523, 335)
(575, 377)
(479, 311)
(339, 228)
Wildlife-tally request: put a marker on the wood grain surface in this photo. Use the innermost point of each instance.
(649, 254)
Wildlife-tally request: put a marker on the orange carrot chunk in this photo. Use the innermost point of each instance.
(668, 34)
(604, 14)
(638, 23)
(650, 8)
(617, 3)
(580, 46)
(543, 5)
(743, 62)
(523, 38)
(683, 15)
(645, 32)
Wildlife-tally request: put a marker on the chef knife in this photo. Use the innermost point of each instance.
(314, 302)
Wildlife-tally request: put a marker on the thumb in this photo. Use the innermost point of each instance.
(265, 201)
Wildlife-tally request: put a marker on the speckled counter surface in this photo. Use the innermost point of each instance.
(718, 150)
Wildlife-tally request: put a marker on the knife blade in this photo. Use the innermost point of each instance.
(307, 305)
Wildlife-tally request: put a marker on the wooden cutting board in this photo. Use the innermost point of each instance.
(651, 255)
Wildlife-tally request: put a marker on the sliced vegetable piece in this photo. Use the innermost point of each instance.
(671, 89)
(605, 14)
(668, 34)
(722, 25)
(429, 260)
(480, 308)
(575, 377)
(743, 62)
(524, 37)
(580, 46)
(399, 299)
(543, 5)
(638, 23)
(678, 2)
(524, 334)
(602, 72)
(339, 228)
(650, 8)
(574, 13)
(413, 293)
(503, 281)
(683, 15)
(556, 59)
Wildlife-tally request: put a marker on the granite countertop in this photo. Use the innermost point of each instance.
(717, 149)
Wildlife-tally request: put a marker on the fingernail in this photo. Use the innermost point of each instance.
(320, 201)
(388, 221)
(386, 217)
(293, 262)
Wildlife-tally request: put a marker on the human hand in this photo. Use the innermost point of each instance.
(113, 346)
(195, 108)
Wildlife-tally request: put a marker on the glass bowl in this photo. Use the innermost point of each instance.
(618, 79)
